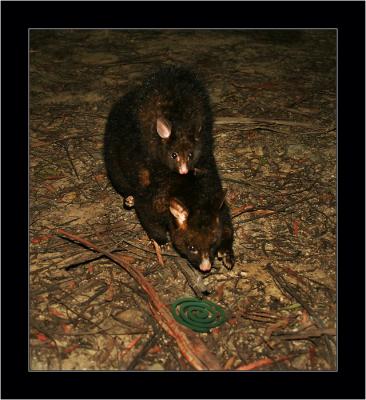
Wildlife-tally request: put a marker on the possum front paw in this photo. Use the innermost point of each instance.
(227, 257)
(160, 237)
(129, 202)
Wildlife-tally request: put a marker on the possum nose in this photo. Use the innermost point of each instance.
(183, 169)
(205, 264)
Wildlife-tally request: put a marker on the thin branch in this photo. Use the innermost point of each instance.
(246, 120)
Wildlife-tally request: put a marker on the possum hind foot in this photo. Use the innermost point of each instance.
(227, 257)
(129, 202)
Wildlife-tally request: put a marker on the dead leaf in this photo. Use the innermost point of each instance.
(230, 362)
(109, 294)
(71, 348)
(67, 328)
(155, 349)
(100, 178)
(69, 197)
(41, 337)
(282, 323)
(40, 239)
(220, 292)
(56, 313)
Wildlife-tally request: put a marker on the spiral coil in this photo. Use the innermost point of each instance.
(198, 315)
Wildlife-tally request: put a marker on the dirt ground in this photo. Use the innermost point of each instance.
(274, 100)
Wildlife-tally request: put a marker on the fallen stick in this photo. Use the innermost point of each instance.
(255, 212)
(307, 334)
(190, 345)
(261, 363)
(87, 257)
(158, 252)
(193, 278)
(246, 120)
(240, 210)
(265, 213)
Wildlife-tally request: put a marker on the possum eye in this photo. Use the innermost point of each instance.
(174, 155)
(190, 155)
(192, 249)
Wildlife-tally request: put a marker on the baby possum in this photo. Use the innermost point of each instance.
(164, 123)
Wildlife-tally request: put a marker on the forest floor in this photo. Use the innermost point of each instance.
(274, 101)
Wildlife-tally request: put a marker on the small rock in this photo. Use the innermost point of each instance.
(296, 150)
(155, 367)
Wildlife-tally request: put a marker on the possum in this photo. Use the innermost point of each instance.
(192, 211)
(166, 122)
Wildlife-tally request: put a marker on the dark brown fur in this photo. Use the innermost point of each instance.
(207, 227)
(144, 177)
(132, 142)
(139, 164)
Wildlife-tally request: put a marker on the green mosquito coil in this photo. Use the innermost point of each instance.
(198, 315)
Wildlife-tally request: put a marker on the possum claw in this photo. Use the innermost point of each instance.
(227, 258)
(129, 202)
(165, 247)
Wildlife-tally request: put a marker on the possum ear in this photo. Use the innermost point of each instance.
(179, 212)
(220, 199)
(163, 127)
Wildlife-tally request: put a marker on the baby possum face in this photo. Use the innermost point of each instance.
(181, 147)
(196, 236)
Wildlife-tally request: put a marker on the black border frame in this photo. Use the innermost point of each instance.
(349, 19)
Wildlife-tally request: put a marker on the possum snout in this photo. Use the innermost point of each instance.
(205, 264)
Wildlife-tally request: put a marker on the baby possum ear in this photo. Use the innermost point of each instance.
(179, 212)
(163, 127)
(220, 199)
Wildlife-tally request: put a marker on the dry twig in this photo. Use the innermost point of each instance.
(306, 334)
(193, 277)
(261, 363)
(245, 120)
(158, 252)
